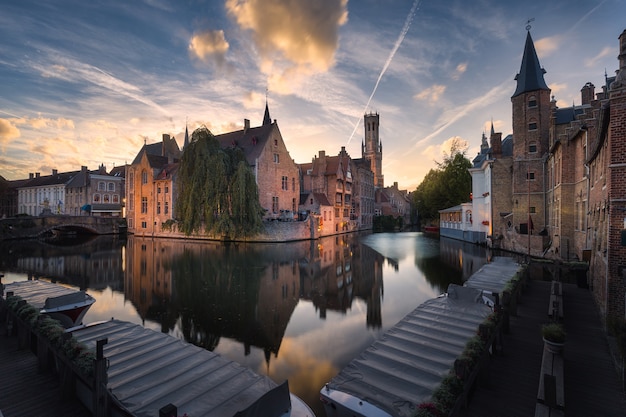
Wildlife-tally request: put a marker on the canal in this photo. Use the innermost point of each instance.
(298, 311)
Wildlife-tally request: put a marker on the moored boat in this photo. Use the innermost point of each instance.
(62, 303)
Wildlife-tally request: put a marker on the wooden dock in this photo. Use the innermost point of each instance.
(24, 392)
(592, 386)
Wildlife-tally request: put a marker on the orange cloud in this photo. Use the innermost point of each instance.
(546, 46)
(209, 44)
(460, 70)
(294, 38)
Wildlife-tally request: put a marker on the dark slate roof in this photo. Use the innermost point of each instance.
(55, 179)
(530, 77)
(568, 114)
(322, 199)
(267, 120)
(81, 179)
(507, 146)
(118, 171)
(480, 158)
(251, 141)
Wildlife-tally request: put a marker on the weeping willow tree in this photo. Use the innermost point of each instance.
(217, 189)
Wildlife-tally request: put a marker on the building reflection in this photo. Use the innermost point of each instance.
(247, 292)
(94, 262)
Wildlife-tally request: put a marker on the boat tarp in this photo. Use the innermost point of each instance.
(149, 370)
(38, 293)
(403, 368)
(494, 276)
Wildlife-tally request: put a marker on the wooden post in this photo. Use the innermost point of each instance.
(169, 410)
(100, 395)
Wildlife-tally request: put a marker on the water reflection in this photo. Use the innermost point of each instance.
(298, 311)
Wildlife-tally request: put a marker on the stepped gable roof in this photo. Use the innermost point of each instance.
(530, 76)
(251, 141)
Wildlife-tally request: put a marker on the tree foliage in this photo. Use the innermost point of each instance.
(448, 185)
(217, 189)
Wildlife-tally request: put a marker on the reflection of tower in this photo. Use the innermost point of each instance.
(372, 148)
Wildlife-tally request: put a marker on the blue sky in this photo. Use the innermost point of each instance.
(87, 82)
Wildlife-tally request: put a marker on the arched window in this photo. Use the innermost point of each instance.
(532, 102)
(144, 177)
(532, 124)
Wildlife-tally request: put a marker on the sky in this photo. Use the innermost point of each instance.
(89, 82)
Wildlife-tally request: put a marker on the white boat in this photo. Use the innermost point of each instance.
(62, 303)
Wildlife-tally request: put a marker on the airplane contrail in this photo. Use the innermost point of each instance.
(403, 32)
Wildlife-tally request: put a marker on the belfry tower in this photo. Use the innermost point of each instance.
(372, 148)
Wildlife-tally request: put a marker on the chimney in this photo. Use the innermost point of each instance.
(587, 93)
(246, 125)
(166, 137)
(395, 185)
(55, 172)
(322, 154)
(83, 168)
(496, 144)
(31, 175)
(36, 174)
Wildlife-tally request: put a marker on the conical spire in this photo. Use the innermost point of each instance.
(530, 77)
(267, 120)
(186, 142)
(493, 132)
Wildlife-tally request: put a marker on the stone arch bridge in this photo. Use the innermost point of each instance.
(45, 226)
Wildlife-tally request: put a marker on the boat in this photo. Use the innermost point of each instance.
(402, 369)
(149, 371)
(62, 303)
(431, 229)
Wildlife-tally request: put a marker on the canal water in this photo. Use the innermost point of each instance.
(297, 311)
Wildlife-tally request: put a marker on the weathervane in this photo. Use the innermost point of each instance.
(532, 19)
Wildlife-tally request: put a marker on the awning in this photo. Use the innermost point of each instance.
(86, 207)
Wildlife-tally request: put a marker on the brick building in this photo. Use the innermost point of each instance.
(151, 178)
(561, 192)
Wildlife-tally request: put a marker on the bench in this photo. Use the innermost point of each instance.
(555, 308)
(551, 392)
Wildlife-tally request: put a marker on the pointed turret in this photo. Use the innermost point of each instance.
(493, 132)
(530, 77)
(267, 120)
(186, 142)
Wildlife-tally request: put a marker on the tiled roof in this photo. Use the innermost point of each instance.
(251, 141)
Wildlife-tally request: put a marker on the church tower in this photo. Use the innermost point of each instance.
(531, 127)
(372, 148)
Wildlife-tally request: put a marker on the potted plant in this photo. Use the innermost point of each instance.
(553, 337)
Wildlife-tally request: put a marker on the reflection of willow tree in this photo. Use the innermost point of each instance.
(216, 294)
(438, 273)
(217, 189)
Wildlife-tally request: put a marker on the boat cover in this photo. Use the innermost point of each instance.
(149, 370)
(403, 368)
(494, 275)
(43, 294)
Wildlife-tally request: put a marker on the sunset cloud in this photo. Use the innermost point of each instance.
(209, 44)
(459, 71)
(432, 93)
(546, 46)
(293, 38)
(7, 132)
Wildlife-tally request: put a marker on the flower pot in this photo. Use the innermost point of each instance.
(553, 347)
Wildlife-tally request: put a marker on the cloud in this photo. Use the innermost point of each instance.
(460, 70)
(253, 100)
(432, 93)
(557, 87)
(46, 123)
(546, 46)
(209, 44)
(606, 51)
(438, 151)
(7, 132)
(293, 38)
